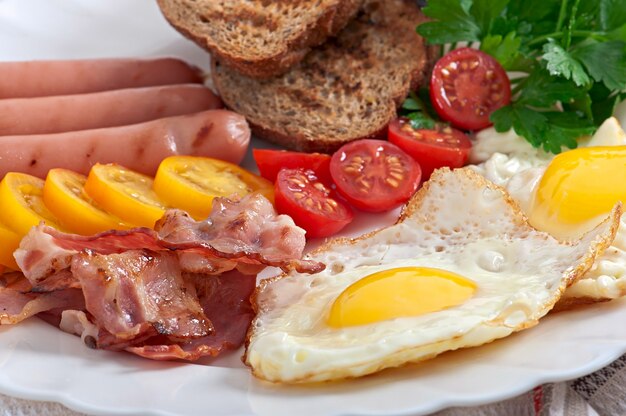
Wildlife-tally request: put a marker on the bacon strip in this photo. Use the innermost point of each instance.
(130, 292)
(225, 300)
(242, 233)
(18, 303)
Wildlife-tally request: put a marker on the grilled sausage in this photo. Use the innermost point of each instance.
(220, 134)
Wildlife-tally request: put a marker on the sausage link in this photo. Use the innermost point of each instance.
(65, 113)
(46, 78)
(220, 134)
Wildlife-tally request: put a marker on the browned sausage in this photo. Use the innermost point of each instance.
(220, 134)
(45, 78)
(64, 113)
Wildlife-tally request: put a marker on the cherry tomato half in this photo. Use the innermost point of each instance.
(374, 175)
(299, 194)
(270, 162)
(432, 149)
(466, 86)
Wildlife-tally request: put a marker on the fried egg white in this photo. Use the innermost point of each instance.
(567, 195)
(461, 268)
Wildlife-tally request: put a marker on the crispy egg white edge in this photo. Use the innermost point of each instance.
(418, 211)
(518, 168)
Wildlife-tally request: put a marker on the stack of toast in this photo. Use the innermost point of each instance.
(310, 75)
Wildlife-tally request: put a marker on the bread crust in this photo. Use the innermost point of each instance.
(271, 63)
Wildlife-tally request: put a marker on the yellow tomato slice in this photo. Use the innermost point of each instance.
(9, 242)
(63, 194)
(125, 194)
(21, 203)
(190, 183)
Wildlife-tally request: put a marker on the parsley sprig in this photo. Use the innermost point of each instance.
(569, 57)
(417, 110)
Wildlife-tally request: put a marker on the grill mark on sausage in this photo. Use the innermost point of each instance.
(202, 136)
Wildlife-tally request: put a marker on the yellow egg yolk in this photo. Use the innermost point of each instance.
(399, 292)
(578, 188)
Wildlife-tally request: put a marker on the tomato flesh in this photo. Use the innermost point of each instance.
(374, 175)
(299, 194)
(270, 162)
(432, 149)
(466, 86)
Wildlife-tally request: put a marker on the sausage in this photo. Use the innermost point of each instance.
(141, 147)
(64, 113)
(46, 78)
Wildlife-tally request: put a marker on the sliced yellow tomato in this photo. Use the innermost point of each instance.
(125, 194)
(190, 183)
(9, 242)
(21, 203)
(63, 194)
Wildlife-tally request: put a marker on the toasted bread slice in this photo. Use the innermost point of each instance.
(259, 38)
(348, 88)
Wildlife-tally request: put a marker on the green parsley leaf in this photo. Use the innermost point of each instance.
(415, 110)
(564, 128)
(542, 90)
(485, 11)
(421, 120)
(618, 34)
(612, 14)
(550, 130)
(534, 11)
(506, 50)
(412, 104)
(605, 61)
(526, 122)
(561, 63)
(453, 22)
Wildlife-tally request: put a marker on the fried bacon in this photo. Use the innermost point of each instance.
(235, 235)
(18, 303)
(180, 291)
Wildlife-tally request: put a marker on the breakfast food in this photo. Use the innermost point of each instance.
(461, 268)
(565, 195)
(467, 86)
(91, 75)
(312, 204)
(267, 38)
(64, 196)
(179, 291)
(346, 89)
(191, 183)
(113, 197)
(374, 175)
(433, 148)
(217, 133)
(58, 114)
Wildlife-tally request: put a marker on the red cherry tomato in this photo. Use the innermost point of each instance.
(270, 162)
(432, 149)
(299, 194)
(466, 86)
(374, 175)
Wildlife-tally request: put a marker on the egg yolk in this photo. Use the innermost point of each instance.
(399, 292)
(578, 187)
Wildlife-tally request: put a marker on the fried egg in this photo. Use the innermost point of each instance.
(461, 268)
(567, 195)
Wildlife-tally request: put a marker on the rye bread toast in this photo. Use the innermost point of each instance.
(346, 89)
(259, 38)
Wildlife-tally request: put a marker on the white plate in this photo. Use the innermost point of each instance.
(40, 362)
